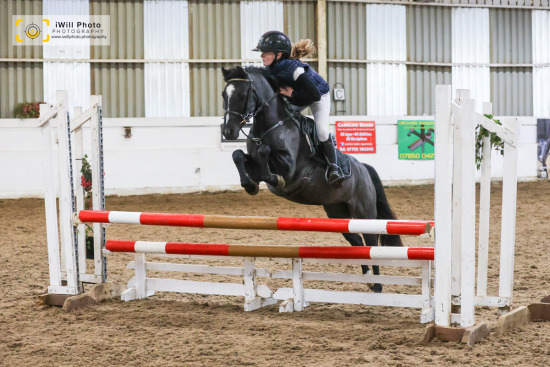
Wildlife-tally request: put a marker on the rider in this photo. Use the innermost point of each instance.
(304, 87)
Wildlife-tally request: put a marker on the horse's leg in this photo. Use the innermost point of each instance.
(343, 211)
(266, 175)
(245, 164)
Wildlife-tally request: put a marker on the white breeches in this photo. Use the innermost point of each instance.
(321, 112)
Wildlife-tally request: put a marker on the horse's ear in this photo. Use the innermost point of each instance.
(225, 72)
(241, 72)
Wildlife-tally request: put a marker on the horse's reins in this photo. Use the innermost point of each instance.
(247, 116)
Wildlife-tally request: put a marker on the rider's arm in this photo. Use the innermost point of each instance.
(306, 92)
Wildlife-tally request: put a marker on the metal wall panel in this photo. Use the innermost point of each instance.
(258, 17)
(353, 78)
(541, 92)
(386, 41)
(511, 41)
(166, 36)
(387, 89)
(20, 82)
(512, 91)
(470, 45)
(541, 59)
(475, 78)
(121, 84)
(429, 34)
(126, 29)
(346, 30)
(387, 32)
(299, 18)
(421, 87)
(122, 87)
(470, 35)
(73, 77)
(215, 28)
(541, 36)
(20, 7)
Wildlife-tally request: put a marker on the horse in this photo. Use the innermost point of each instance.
(279, 154)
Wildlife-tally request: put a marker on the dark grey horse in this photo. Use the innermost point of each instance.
(280, 155)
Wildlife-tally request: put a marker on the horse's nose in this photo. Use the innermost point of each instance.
(228, 133)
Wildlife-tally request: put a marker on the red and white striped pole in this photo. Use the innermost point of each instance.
(372, 226)
(304, 252)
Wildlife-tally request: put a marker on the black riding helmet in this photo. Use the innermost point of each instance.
(274, 41)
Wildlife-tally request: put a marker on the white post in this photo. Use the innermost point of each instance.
(298, 285)
(141, 276)
(461, 96)
(66, 194)
(484, 210)
(443, 208)
(78, 152)
(50, 203)
(97, 185)
(467, 217)
(508, 229)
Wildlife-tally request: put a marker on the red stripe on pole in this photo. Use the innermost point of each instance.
(168, 219)
(120, 246)
(420, 253)
(334, 252)
(316, 224)
(197, 249)
(95, 216)
(416, 228)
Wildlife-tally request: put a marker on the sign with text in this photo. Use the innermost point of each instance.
(356, 136)
(415, 139)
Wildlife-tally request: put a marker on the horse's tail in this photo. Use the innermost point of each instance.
(383, 208)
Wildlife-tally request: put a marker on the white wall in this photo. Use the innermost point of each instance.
(179, 155)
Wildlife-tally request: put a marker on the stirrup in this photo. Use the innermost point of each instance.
(334, 175)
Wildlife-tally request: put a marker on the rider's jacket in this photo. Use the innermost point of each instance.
(284, 71)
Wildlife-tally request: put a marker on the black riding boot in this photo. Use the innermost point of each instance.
(334, 176)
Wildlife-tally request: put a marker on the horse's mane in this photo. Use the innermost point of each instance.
(239, 72)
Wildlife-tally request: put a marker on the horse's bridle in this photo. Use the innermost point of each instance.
(246, 116)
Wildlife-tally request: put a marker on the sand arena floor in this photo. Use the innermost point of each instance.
(193, 330)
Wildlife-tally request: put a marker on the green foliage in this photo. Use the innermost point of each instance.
(496, 142)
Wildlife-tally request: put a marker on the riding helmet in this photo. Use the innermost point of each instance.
(274, 41)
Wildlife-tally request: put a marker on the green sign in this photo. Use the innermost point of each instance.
(415, 139)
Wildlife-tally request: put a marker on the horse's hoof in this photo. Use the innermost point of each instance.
(252, 189)
(280, 182)
(376, 287)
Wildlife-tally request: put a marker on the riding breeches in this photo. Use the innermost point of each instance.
(321, 112)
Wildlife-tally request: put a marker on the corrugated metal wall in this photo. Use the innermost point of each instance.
(470, 46)
(20, 82)
(511, 43)
(386, 41)
(215, 34)
(121, 84)
(541, 59)
(73, 77)
(166, 37)
(258, 17)
(299, 20)
(428, 41)
(347, 39)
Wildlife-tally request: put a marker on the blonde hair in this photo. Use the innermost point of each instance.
(302, 48)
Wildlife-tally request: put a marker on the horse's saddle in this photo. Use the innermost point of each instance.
(309, 130)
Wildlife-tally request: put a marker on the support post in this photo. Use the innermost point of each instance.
(50, 203)
(443, 205)
(467, 216)
(298, 285)
(508, 228)
(322, 37)
(484, 210)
